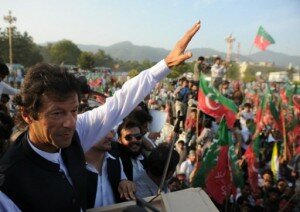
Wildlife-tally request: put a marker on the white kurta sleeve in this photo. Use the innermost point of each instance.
(95, 124)
(6, 89)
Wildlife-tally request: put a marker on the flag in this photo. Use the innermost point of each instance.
(296, 101)
(211, 102)
(219, 173)
(263, 39)
(262, 107)
(251, 156)
(275, 161)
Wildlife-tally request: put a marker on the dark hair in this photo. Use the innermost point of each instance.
(4, 69)
(183, 79)
(193, 111)
(5, 96)
(201, 58)
(180, 142)
(127, 124)
(140, 116)
(6, 126)
(44, 79)
(267, 171)
(84, 86)
(207, 123)
(158, 157)
(247, 104)
(237, 124)
(217, 58)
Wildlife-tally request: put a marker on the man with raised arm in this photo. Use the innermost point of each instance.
(44, 170)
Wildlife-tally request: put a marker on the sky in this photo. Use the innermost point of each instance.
(158, 23)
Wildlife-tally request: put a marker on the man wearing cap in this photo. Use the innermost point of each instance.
(188, 165)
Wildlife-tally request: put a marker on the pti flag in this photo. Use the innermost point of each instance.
(211, 102)
(263, 39)
(214, 173)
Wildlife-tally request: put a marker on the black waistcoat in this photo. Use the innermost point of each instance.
(114, 176)
(126, 160)
(36, 184)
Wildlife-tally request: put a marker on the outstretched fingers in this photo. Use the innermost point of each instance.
(177, 55)
(184, 41)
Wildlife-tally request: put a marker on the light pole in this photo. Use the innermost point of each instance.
(10, 19)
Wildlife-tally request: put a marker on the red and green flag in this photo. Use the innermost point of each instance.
(263, 39)
(296, 101)
(251, 156)
(219, 173)
(262, 106)
(211, 102)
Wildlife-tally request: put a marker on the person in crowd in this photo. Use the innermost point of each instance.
(6, 128)
(181, 99)
(174, 184)
(206, 136)
(199, 68)
(272, 199)
(190, 129)
(102, 188)
(217, 73)
(182, 151)
(148, 183)
(4, 103)
(145, 119)
(225, 90)
(188, 165)
(246, 114)
(267, 180)
(237, 94)
(5, 88)
(247, 134)
(19, 77)
(245, 199)
(49, 155)
(129, 149)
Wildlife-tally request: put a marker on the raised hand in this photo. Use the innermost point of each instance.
(177, 55)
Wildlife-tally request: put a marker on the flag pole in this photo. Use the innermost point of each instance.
(251, 49)
(284, 136)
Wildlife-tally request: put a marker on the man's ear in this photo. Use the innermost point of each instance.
(26, 116)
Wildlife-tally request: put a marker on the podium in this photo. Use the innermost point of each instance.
(188, 200)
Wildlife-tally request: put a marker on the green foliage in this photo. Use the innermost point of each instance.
(86, 60)
(177, 71)
(249, 74)
(102, 59)
(64, 51)
(25, 51)
(133, 73)
(233, 71)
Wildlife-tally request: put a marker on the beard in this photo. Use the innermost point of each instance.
(128, 149)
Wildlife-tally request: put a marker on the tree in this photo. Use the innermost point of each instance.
(181, 69)
(86, 60)
(102, 59)
(233, 71)
(25, 51)
(64, 51)
(133, 73)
